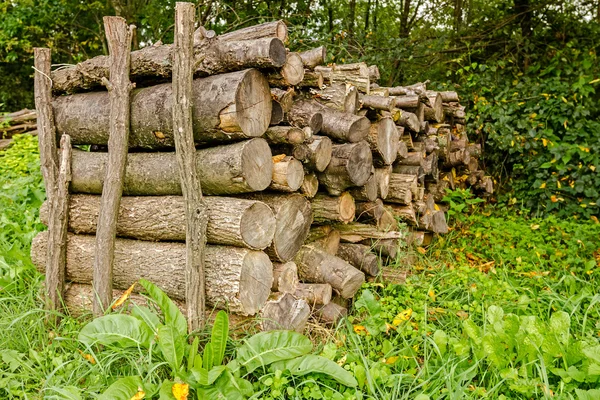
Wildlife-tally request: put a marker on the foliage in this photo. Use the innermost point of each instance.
(461, 202)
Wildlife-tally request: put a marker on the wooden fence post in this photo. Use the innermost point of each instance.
(195, 210)
(118, 35)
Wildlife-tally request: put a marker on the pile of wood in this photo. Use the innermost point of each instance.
(306, 169)
(19, 122)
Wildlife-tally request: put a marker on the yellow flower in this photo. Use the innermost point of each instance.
(123, 297)
(180, 391)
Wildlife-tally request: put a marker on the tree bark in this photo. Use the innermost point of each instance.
(406, 213)
(339, 96)
(231, 221)
(293, 217)
(356, 74)
(292, 72)
(302, 115)
(311, 80)
(277, 29)
(356, 232)
(285, 277)
(236, 168)
(324, 237)
(330, 208)
(383, 139)
(378, 102)
(331, 313)
(360, 257)
(288, 174)
(367, 192)
(316, 154)
(313, 57)
(314, 293)
(310, 185)
(316, 266)
(382, 178)
(284, 135)
(284, 311)
(224, 108)
(351, 165)
(340, 125)
(402, 188)
(237, 279)
(284, 97)
(118, 36)
(409, 121)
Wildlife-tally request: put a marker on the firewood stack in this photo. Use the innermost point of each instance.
(306, 169)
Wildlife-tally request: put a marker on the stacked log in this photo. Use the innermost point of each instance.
(306, 168)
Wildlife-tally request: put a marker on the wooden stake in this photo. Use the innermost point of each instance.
(118, 36)
(196, 216)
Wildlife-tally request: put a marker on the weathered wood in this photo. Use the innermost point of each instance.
(417, 88)
(405, 213)
(386, 248)
(356, 232)
(285, 277)
(284, 135)
(277, 113)
(402, 188)
(288, 174)
(412, 158)
(231, 221)
(316, 153)
(196, 213)
(359, 256)
(351, 165)
(284, 311)
(435, 111)
(378, 102)
(313, 57)
(290, 74)
(333, 208)
(236, 168)
(330, 313)
(316, 266)
(376, 213)
(448, 97)
(325, 238)
(416, 170)
(211, 57)
(356, 74)
(383, 139)
(456, 158)
(310, 185)
(284, 97)
(56, 257)
(293, 216)
(118, 36)
(409, 121)
(311, 80)
(374, 74)
(277, 29)
(339, 125)
(303, 115)
(366, 192)
(406, 102)
(237, 279)
(340, 96)
(224, 108)
(382, 178)
(314, 293)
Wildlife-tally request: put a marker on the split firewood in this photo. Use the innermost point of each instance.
(290, 74)
(284, 311)
(382, 178)
(360, 256)
(310, 185)
(314, 293)
(285, 277)
(325, 238)
(311, 79)
(356, 232)
(383, 139)
(284, 135)
(285, 98)
(405, 213)
(313, 57)
(339, 96)
(288, 174)
(351, 165)
(330, 313)
(327, 209)
(402, 188)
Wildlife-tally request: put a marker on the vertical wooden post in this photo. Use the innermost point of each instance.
(196, 213)
(56, 181)
(118, 36)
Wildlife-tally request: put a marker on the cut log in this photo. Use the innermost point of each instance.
(316, 266)
(316, 154)
(235, 168)
(277, 113)
(284, 311)
(351, 165)
(430, 166)
(383, 139)
(312, 80)
(288, 174)
(211, 57)
(356, 74)
(405, 102)
(438, 223)
(330, 313)
(239, 279)
(435, 111)
(359, 256)
(449, 97)
(382, 177)
(402, 188)
(405, 213)
(409, 121)
(374, 212)
(374, 74)
(327, 209)
(313, 57)
(412, 158)
(285, 277)
(340, 125)
(389, 248)
(302, 115)
(231, 221)
(284, 97)
(456, 158)
(340, 96)
(325, 238)
(293, 217)
(225, 107)
(378, 102)
(415, 170)
(284, 135)
(310, 185)
(276, 29)
(356, 232)
(292, 72)
(416, 88)
(474, 149)
(367, 192)
(314, 293)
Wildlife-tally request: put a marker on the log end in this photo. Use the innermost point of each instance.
(258, 226)
(257, 166)
(253, 105)
(360, 163)
(256, 279)
(323, 153)
(277, 52)
(347, 207)
(359, 130)
(294, 218)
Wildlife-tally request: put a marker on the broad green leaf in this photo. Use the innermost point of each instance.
(166, 391)
(123, 389)
(225, 388)
(205, 377)
(208, 356)
(116, 329)
(472, 330)
(63, 393)
(170, 311)
(593, 353)
(441, 340)
(368, 301)
(193, 351)
(265, 348)
(560, 322)
(311, 363)
(592, 394)
(495, 315)
(146, 315)
(172, 346)
(220, 333)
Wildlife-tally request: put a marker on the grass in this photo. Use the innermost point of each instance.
(502, 307)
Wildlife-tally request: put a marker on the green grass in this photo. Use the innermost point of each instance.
(502, 307)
